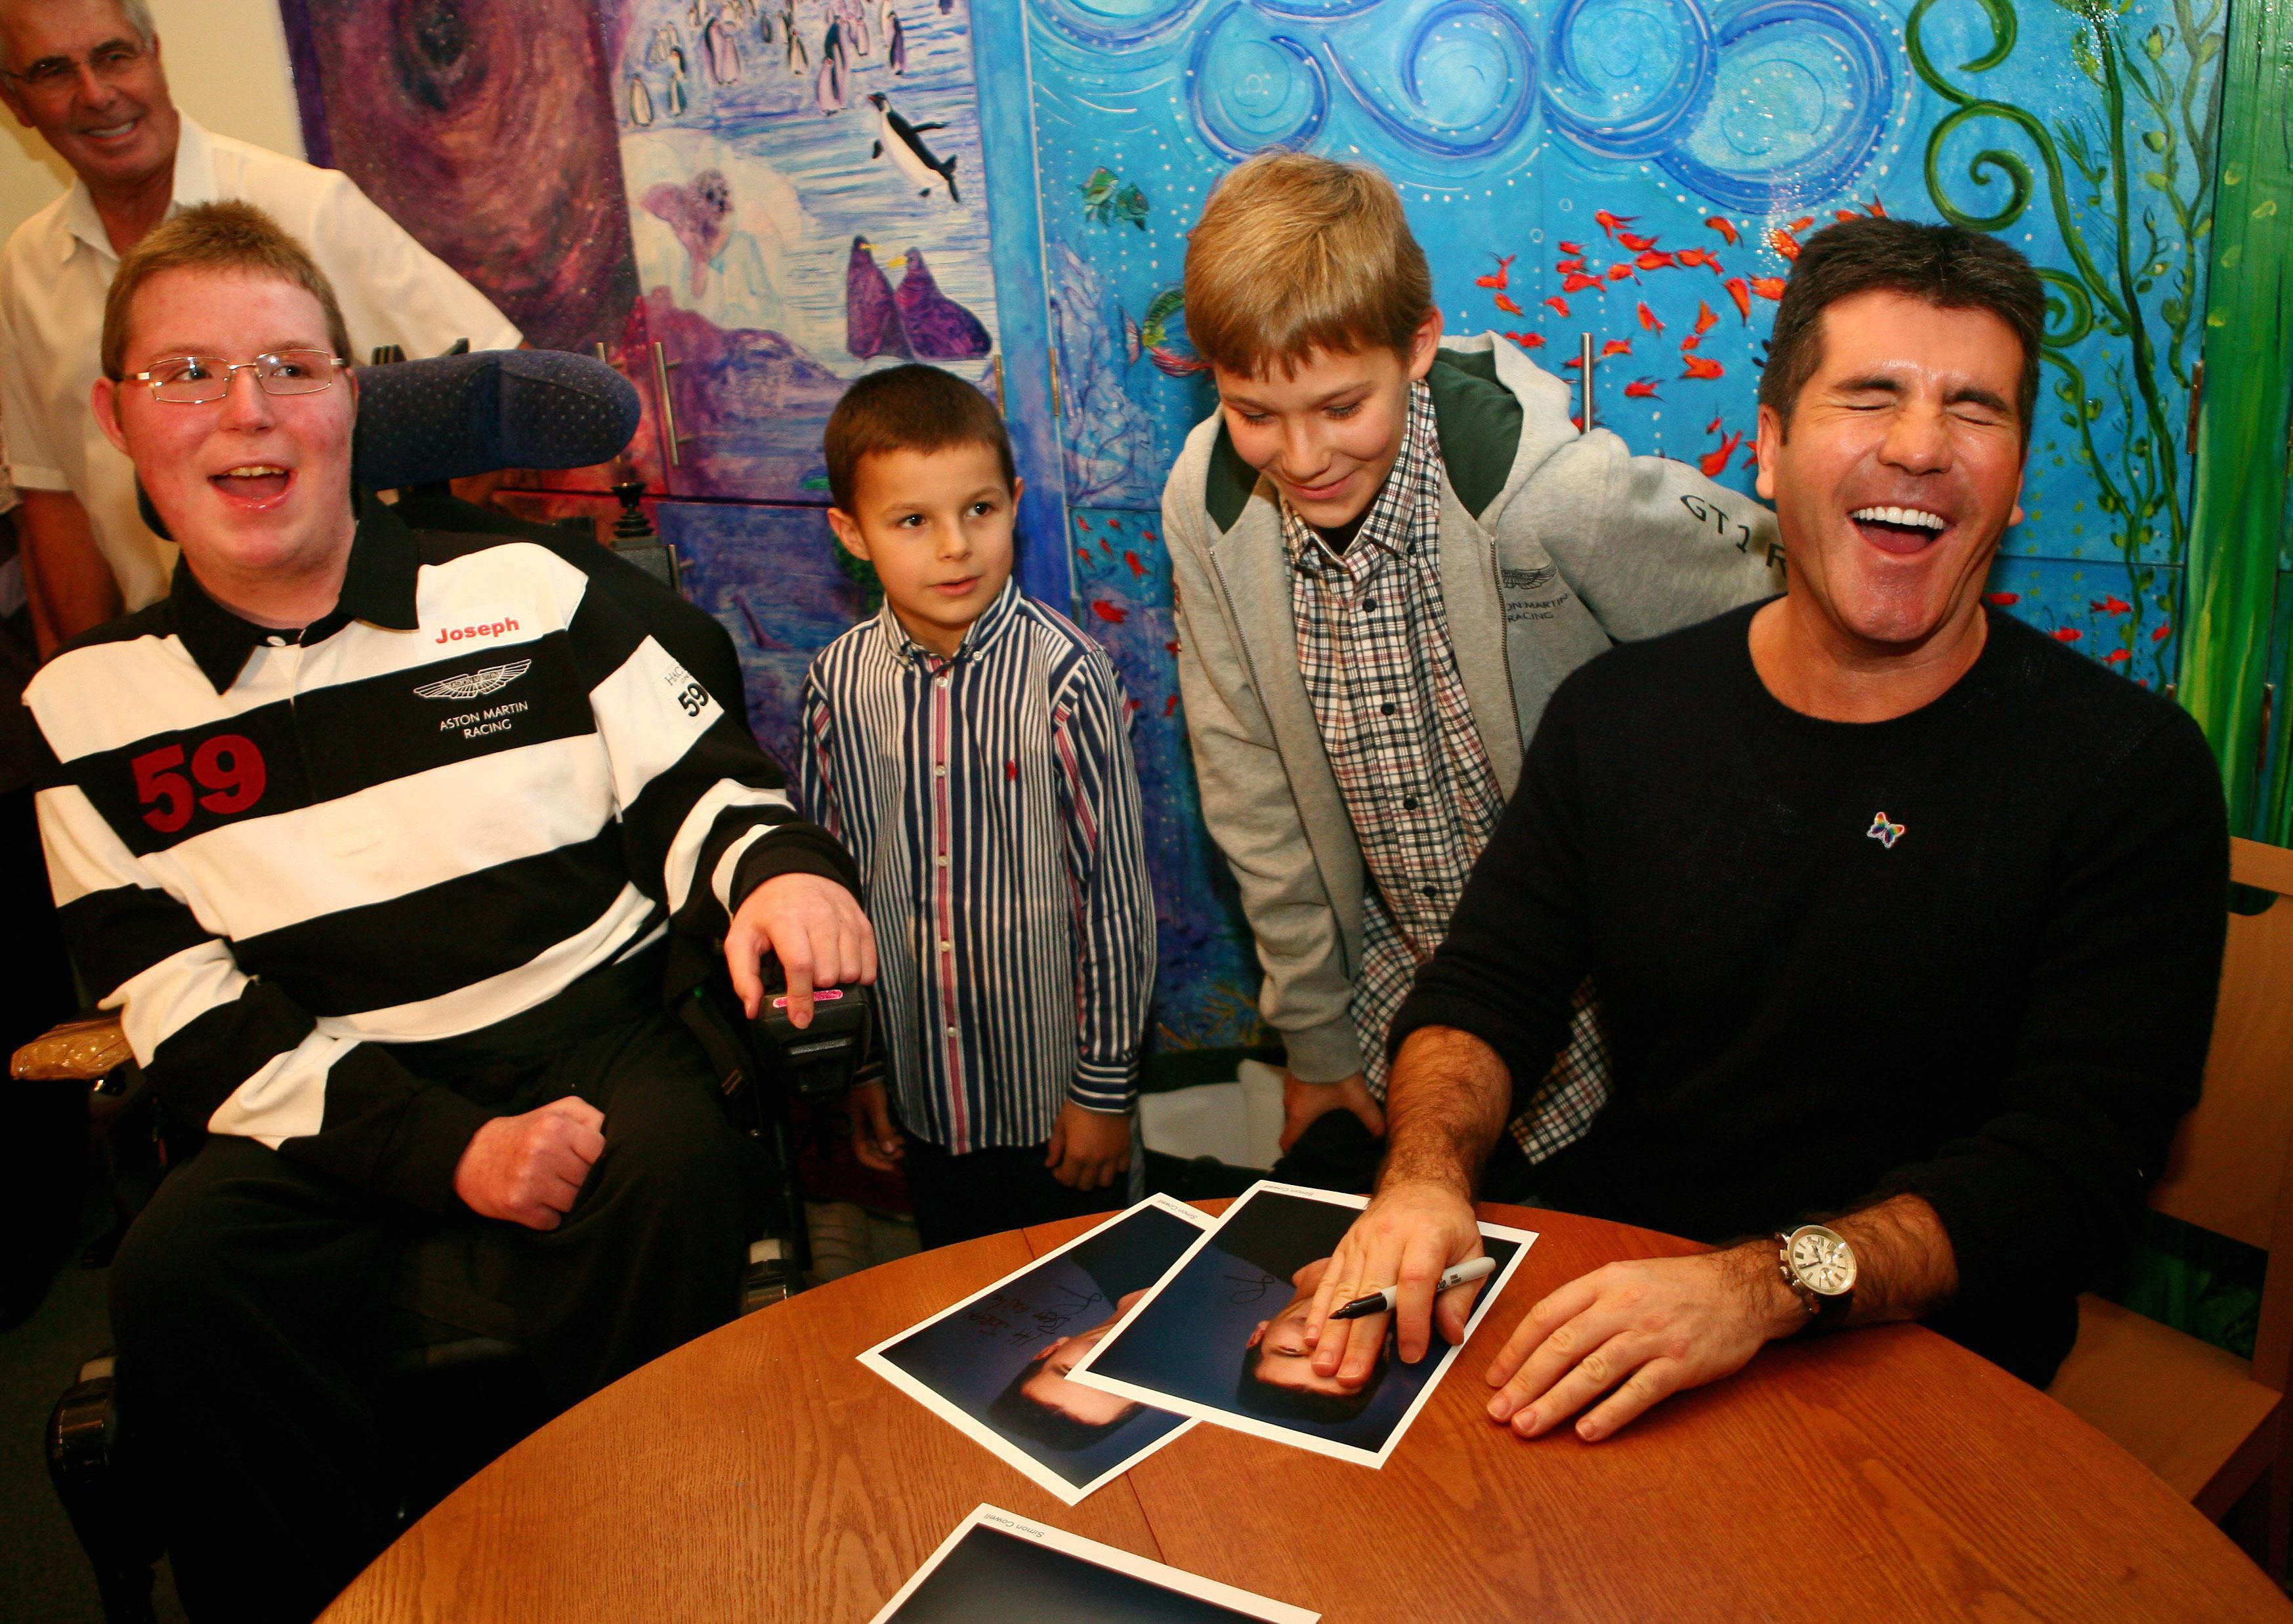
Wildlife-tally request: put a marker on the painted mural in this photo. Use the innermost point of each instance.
(786, 193)
(1644, 171)
(806, 202)
(437, 110)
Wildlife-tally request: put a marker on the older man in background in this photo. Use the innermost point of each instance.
(87, 74)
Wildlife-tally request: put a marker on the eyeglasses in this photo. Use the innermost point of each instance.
(195, 380)
(111, 62)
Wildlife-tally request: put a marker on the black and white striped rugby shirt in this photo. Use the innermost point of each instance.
(477, 780)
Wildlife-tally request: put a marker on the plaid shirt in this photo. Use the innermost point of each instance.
(1373, 648)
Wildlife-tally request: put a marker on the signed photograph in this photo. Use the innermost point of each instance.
(995, 1365)
(1222, 1338)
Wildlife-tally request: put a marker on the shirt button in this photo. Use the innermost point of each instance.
(944, 681)
(1409, 803)
(945, 946)
(1386, 707)
(1431, 891)
(1368, 604)
(276, 643)
(939, 772)
(951, 1032)
(940, 861)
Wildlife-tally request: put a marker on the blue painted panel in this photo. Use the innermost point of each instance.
(2125, 618)
(1206, 994)
(774, 579)
(1643, 170)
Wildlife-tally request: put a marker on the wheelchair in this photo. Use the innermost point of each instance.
(456, 1376)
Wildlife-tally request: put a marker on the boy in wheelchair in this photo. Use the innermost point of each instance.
(387, 845)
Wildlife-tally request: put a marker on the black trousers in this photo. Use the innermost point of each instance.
(993, 1189)
(249, 1299)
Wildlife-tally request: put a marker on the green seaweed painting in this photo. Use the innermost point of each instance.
(2129, 183)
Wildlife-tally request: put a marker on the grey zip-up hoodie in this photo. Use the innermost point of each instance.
(1554, 545)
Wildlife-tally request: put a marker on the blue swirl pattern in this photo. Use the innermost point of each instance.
(1752, 104)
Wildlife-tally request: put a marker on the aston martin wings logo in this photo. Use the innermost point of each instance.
(477, 684)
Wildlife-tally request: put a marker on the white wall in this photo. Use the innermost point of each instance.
(226, 63)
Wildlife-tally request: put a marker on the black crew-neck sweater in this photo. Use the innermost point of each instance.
(1971, 952)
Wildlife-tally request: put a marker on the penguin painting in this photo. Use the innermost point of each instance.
(937, 328)
(871, 315)
(898, 49)
(904, 142)
(829, 88)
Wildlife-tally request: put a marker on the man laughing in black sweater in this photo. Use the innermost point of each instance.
(1908, 921)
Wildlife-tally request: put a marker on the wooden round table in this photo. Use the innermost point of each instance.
(761, 1472)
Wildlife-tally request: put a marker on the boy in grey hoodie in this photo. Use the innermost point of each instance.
(1387, 549)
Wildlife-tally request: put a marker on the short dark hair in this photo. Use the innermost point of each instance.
(1269, 1402)
(912, 408)
(1947, 266)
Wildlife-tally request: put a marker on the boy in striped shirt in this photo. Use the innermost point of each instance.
(971, 748)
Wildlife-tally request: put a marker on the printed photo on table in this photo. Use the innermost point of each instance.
(995, 1365)
(1222, 1338)
(1000, 1569)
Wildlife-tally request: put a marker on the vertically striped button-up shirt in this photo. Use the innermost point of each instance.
(993, 802)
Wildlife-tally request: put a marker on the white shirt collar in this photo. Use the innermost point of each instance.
(195, 182)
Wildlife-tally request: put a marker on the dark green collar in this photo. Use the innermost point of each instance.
(1476, 419)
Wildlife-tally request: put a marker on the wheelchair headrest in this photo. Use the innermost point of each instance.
(421, 421)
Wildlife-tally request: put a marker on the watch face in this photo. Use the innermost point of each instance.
(1824, 1263)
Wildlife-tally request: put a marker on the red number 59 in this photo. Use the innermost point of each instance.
(227, 766)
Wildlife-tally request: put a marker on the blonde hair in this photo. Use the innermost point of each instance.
(227, 235)
(1295, 253)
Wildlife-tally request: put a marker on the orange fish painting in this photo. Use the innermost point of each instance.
(1648, 320)
(1740, 291)
(1610, 222)
(1768, 287)
(1621, 274)
(1693, 257)
(1560, 305)
(2112, 606)
(1716, 462)
(1725, 228)
(1616, 346)
(1636, 244)
(1705, 319)
(1499, 278)
(1703, 367)
(1642, 388)
(1575, 281)
(1527, 341)
(1573, 248)
(1784, 243)
(1505, 304)
(1109, 613)
(1136, 568)
(2068, 634)
(1656, 259)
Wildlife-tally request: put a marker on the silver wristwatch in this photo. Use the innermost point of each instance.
(1819, 1266)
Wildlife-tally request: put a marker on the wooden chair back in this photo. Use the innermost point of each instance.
(2230, 1169)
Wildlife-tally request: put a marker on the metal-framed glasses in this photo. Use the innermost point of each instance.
(196, 380)
(111, 62)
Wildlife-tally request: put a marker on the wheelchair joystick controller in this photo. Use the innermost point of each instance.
(820, 1059)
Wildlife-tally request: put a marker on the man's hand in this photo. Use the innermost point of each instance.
(67, 580)
(1408, 1235)
(875, 1142)
(528, 1169)
(1648, 1328)
(816, 927)
(1089, 1149)
(1302, 1102)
